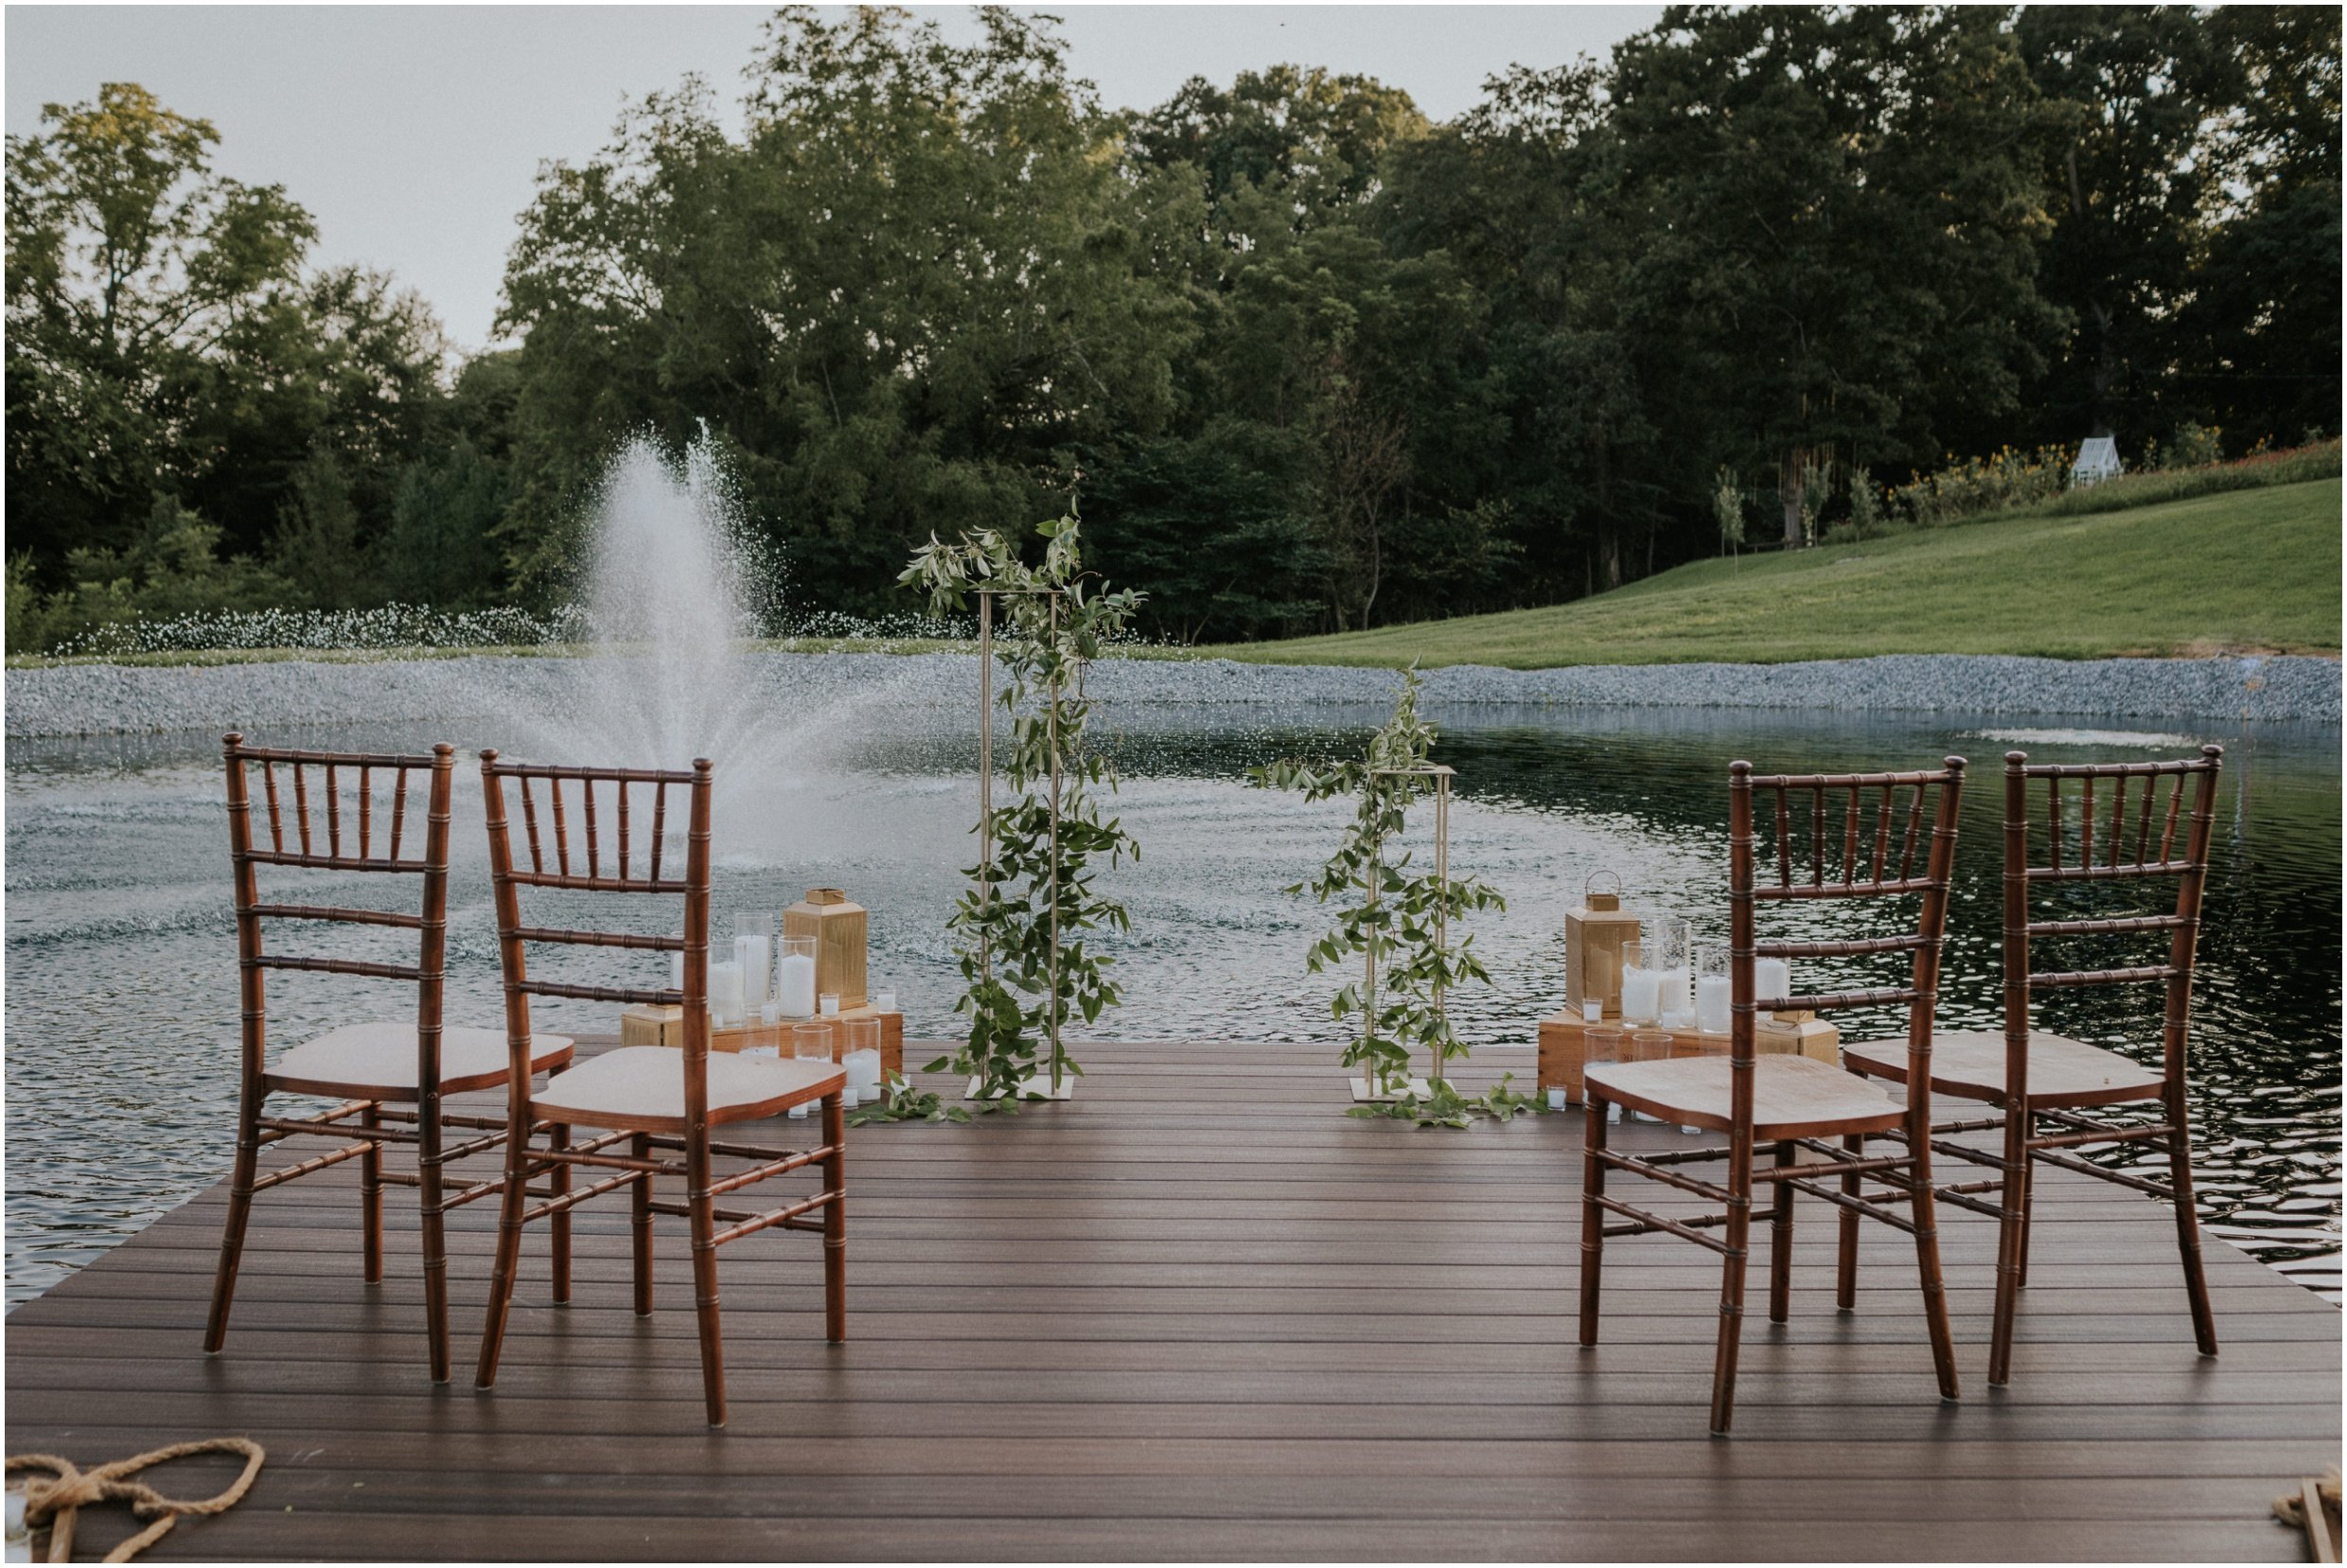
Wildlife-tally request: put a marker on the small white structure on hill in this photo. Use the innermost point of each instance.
(2098, 460)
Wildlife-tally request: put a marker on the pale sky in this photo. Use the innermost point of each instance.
(413, 133)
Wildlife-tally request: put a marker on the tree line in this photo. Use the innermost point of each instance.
(1304, 358)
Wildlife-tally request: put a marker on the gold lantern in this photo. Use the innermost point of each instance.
(837, 928)
(1595, 935)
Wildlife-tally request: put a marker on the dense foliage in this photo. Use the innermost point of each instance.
(1311, 361)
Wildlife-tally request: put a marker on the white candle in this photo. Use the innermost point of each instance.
(849, 1099)
(1711, 1004)
(831, 1004)
(755, 955)
(797, 1112)
(725, 992)
(884, 1001)
(1593, 1011)
(863, 1072)
(675, 971)
(1556, 1100)
(1771, 978)
(797, 987)
(1676, 990)
(1641, 995)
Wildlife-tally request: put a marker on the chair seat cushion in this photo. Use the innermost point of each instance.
(1791, 1095)
(377, 1061)
(1970, 1064)
(642, 1087)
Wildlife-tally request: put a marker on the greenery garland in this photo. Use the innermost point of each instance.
(1028, 972)
(1405, 921)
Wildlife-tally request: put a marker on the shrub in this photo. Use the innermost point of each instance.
(1994, 484)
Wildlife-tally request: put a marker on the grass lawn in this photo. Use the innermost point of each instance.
(2250, 570)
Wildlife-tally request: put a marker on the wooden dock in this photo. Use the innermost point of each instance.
(1196, 1312)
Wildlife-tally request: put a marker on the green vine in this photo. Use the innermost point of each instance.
(1029, 974)
(900, 1101)
(1399, 922)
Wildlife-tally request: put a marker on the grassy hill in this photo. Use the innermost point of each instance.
(2250, 570)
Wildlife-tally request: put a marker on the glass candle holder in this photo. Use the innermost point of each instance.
(830, 1005)
(1649, 1045)
(811, 1042)
(1669, 952)
(1712, 989)
(725, 993)
(884, 1001)
(1641, 988)
(862, 1055)
(794, 977)
(1602, 1044)
(753, 950)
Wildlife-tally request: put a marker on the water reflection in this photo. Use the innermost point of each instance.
(121, 996)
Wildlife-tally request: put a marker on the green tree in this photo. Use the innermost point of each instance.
(163, 341)
(1313, 140)
(131, 266)
(919, 282)
(1840, 210)
(2262, 324)
(2134, 186)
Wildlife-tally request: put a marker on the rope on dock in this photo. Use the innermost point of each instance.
(57, 1502)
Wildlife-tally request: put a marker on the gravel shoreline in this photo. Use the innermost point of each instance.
(102, 699)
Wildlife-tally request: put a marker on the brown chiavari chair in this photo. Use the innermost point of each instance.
(2036, 1077)
(1791, 1102)
(393, 1070)
(646, 1097)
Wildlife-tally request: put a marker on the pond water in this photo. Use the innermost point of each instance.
(122, 1002)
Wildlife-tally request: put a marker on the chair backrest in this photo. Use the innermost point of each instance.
(1847, 858)
(582, 868)
(2102, 852)
(346, 844)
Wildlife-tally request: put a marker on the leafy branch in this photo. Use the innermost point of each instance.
(1032, 895)
(1401, 928)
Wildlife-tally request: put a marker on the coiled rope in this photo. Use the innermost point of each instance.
(58, 1500)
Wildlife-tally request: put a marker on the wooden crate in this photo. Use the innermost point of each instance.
(1560, 1048)
(664, 1026)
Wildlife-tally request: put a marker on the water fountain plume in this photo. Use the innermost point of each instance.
(674, 595)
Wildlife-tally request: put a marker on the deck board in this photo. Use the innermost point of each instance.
(1197, 1312)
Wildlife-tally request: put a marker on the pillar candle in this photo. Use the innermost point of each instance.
(796, 987)
(755, 955)
(1711, 1004)
(725, 992)
(1641, 994)
(1771, 978)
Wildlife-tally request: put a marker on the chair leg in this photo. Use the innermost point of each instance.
(239, 1210)
(1732, 1287)
(560, 1181)
(1846, 1258)
(1927, 1267)
(704, 1220)
(640, 1225)
(2188, 1222)
(834, 1221)
(511, 1201)
(1780, 1242)
(435, 1240)
(2029, 1191)
(371, 1198)
(1593, 1217)
(2012, 1243)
